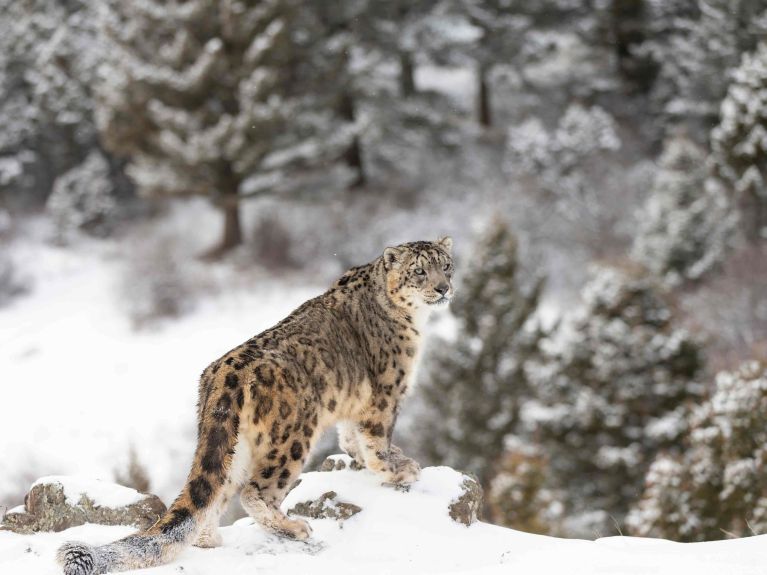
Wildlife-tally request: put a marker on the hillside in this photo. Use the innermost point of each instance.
(404, 532)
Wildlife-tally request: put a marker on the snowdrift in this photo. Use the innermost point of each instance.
(391, 531)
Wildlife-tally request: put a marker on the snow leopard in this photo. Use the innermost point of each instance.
(347, 357)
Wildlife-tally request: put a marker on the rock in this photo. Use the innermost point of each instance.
(467, 507)
(326, 507)
(55, 504)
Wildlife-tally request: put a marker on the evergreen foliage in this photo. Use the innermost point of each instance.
(717, 488)
(205, 98)
(739, 145)
(699, 46)
(612, 391)
(47, 66)
(477, 383)
(686, 221)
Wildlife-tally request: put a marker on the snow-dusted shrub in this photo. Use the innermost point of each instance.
(158, 282)
(272, 243)
(82, 199)
(568, 166)
(133, 474)
(612, 391)
(686, 222)
(12, 284)
(556, 156)
(518, 495)
(717, 488)
(476, 382)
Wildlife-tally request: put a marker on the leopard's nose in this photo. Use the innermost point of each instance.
(442, 288)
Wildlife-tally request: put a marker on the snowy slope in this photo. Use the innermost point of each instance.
(405, 533)
(79, 386)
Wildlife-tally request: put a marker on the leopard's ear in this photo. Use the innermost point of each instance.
(446, 243)
(393, 257)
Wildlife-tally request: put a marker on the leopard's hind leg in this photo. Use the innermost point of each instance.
(274, 477)
(285, 427)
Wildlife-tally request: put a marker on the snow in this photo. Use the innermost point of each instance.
(404, 532)
(80, 386)
(102, 493)
(455, 82)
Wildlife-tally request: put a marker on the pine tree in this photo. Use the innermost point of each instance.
(697, 55)
(219, 99)
(611, 392)
(372, 38)
(738, 143)
(484, 33)
(476, 383)
(48, 60)
(717, 488)
(685, 223)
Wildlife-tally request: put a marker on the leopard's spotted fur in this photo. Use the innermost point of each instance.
(345, 357)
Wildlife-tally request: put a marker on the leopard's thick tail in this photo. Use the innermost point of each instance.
(181, 524)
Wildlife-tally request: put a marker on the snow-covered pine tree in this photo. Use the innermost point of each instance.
(686, 221)
(612, 391)
(373, 38)
(739, 145)
(483, 33)
(475, 384)
(717, 489)
(697, 55)
(392, 30)
(47, 65)
(221, 99)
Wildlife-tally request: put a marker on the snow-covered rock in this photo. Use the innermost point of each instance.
(57, 503)
(402, 532)
(460, 494)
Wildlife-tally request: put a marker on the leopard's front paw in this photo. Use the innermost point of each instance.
(294, 529)
(403, 470)
(406, 470)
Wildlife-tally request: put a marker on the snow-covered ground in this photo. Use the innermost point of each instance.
(409, 533)
(79, 386)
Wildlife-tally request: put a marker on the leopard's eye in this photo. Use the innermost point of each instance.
(446, 267)
(419, 272)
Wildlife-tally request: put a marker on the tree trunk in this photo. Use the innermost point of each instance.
(353, 154)
(231, 236)
(483, 98)
(406, 74)
(628, 32)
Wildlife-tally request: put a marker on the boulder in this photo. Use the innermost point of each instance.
(58, 503)
(326, 507)
(467, 507)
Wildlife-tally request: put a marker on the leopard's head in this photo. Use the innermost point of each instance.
(419, 273)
